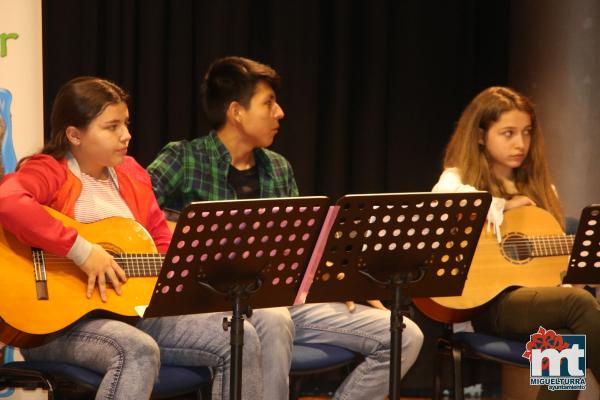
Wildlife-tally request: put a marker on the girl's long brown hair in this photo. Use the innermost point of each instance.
(465, 152)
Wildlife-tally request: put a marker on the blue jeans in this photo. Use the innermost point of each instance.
(129, 357)
(365, 330)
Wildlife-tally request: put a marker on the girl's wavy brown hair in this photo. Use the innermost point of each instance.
(465, 152)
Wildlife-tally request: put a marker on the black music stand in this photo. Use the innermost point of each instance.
(415, 244)
(584, 264)
(224, 252)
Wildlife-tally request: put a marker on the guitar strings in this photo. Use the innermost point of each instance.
(518, 244)
(126, 257)
(544, 240)
(139, 260)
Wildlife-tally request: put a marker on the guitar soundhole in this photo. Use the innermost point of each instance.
(516, 248)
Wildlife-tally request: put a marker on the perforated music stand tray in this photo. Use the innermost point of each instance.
(222, 242)
(584, 263)
(226, 255)
(417, 244)
(385, 233)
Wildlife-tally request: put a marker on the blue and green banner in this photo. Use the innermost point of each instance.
(8, 159)
(21, 113)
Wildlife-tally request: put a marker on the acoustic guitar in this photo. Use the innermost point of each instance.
(534, 252)
(41, 293)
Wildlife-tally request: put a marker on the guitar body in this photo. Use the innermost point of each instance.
(495, 268)
(25, 319)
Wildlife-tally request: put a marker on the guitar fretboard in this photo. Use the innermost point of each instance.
(140, 264)
(38, 264)
(134, 264)
(545, 246)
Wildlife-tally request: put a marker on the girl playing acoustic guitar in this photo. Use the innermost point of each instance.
(84, 173)
(497, 146)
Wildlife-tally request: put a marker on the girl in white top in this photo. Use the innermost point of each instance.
(497, 146)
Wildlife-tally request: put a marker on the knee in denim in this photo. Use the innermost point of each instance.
(279, 320)
(251, 341)
(414, 335)
(145, 351)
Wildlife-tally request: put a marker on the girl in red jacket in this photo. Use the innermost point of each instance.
(84, 172)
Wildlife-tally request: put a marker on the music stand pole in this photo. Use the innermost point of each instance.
(396, 283)
(237, 342)
(235, 293)
(396, 328)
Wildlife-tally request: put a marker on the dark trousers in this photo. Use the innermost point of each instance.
(518, 313)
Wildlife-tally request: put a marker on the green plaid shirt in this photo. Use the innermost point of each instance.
(196, 170)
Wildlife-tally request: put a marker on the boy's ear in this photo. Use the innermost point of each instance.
(233, 111)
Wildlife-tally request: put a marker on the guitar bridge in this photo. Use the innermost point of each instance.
(39, 269)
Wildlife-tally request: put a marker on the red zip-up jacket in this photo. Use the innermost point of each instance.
(43, 180)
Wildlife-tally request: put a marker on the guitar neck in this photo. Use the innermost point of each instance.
(134, 264)
(140, 264)
(547, 246)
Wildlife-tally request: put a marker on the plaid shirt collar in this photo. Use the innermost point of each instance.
(215, 145)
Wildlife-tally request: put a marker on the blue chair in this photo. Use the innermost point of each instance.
(312, 359)
(67, 381)
(473, 345)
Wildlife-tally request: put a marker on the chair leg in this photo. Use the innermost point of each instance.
(204, 393)
(457, 370)
(295, 386)
(51, 390)
(437, 373)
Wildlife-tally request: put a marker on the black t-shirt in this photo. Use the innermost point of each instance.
(245, 183)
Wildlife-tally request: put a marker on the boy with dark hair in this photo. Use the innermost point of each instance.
(233, 79)
(233, 163)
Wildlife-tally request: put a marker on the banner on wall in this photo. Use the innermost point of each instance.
(21, 80)
(21, 109)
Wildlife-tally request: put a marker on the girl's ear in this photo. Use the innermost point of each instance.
(481, 137)
(73, 135)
